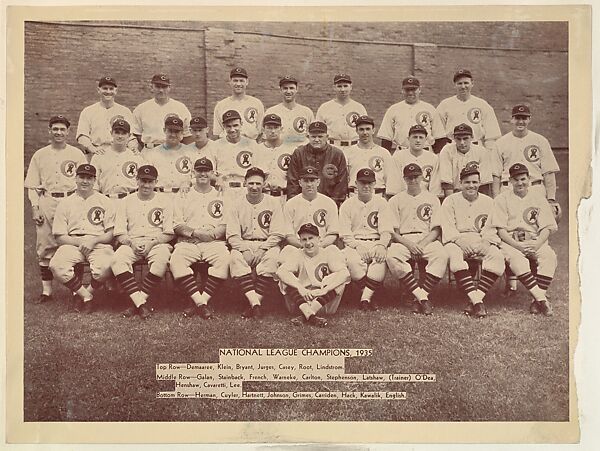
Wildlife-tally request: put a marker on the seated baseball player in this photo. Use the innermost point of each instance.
(254, 231)
(313, 279)
(415, 217)
(199, 224)
(466, 236)
(524, 220)
(83, 228)
(143, 228)
(366, 228)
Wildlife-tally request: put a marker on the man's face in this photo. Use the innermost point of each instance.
(413, 180)
(470, 184)
(146, 185)
(365, 189)
(310, 243)
(202, 177)
(463, 142)
(85, 183)
(463, 86)
(520, 123)
(107, 92)
(233, 129)
(309, 185)
(520, 183)
(120, 137)
(416, 141)
(238, 85)
(58, 132)
(342, 90)
(272, 132)
(173, 136)
(411, 95)
(365, 132)
(289, 91)
(200, 135)
(160, 92)
(317, 140)
(254, 185)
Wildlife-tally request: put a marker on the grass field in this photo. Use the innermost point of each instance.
(511, 366)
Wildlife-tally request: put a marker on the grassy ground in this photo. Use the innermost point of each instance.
(511, 366)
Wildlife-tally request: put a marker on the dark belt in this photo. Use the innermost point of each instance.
(234, 184)
(77, 234)
(117, 196)
(352, 189)
(169, 190)
(537, 182)
(342, 143)
(277, 192)
(410, 233)
(368, 239)
(68, 193)
(256, 239)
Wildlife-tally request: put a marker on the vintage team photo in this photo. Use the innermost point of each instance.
(397, 186)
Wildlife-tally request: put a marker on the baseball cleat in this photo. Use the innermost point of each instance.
(415, 307)
(363, 305)
(468, 310)
(88, 307)
(145, 311)
(190, 311)
(373, 306)
(44, 298)
(509, 292)
(77, 304)
(129, 312)
(546, 308)
(317, 321)
(479, 311)
(426, 307)
(204, 311)
(534, 307)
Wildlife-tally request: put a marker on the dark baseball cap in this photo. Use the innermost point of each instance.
(198, 122)
(462, 73)
(86, 169)
(417, 128)
(288, 79)
(161, 79)
(309, 172)
(521, 110)
(364, 120)
(365, 175)
(255, 171)
(238, 72)
(121, 124)
(338, 78)
(60, 119)
(272, 119)
(231, 115)
(317, 127)
(411, 82)
(308, 228)
(147, 172)
(173, 123)
(412, 169)
(107, 81)
(518, 169)
(463, 129)
(469, 169)
(203, 164)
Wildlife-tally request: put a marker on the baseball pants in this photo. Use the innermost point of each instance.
(45, 243)
(492, 261)
(67, 256)
(215, 253)
(359, 269)
(519, 263)
(328, 309)
(398, 256)
(158, 259)
(266, 267)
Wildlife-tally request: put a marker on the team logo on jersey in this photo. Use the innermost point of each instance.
(427, 170)
(530, 215)
(480, 222)
(215, 209)
(68, 168)
(321, 271)
(474, 115)
(373, 219)
(251, 115)
(129, 169)
(155, 216)
(183, 165)
(283, 162)
(300, 124)
(244, 159)
(376, 164)
(320, 217)
(95, 215)
(330, 171)
(351, 118)
(532, 153)
(472, 164)
(424, 212)
(264, 219)
(423, 118)
(115, 118)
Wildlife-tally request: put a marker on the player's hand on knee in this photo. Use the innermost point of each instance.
(248, 256)
(37, 215)
(379, 253)
(87, 246)
(258, 255)
(364, 253)
(306, 294)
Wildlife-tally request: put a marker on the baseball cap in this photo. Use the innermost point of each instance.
(230, 115)
(365, 175)
(417, 128)
(411, 82)
(86, 169)
(203, 164)
(309, 172)
(317, 127)
(462, 73)
(107, 81)
(308, 228)
(121, 124)
(364, 120)
(518, 169)
(342, 77)
(412, 169)
(238, 72)
(469, 169)
(272, 119)
(521, 110)
(288, 79)
(198, 122)
(147, 172)
(161, 79)
(60, 119)
(173, 123)
(463, 129)
(255, 171)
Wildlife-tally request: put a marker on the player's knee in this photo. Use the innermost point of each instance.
(457, 264)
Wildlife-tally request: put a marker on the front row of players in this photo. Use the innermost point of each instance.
(295, 250)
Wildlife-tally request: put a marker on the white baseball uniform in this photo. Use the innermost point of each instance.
(278, 162)
(427, 161)
(174, 166)
(341, 119)
(116, 172)
(95, 122)
(475, 112)
(401, 116)
(294, 122)
(452, 161)
(375, 158)
(250, 109)
(209, 151)
(149, 120)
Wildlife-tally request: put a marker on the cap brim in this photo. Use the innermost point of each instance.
(358, 179)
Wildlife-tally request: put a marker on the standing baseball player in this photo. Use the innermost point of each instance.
(366, 228)
(367, 154)
(294, 117)
(329, 162)
(50, 178)
(203, 146)
(143, 228)
(524, 221)
(340, 113)
(401, 116)
(313, 279)
(249, 109)
(150, 116)
(254, 230)
(465, 236)
(94, 128)
(200, 226)
(415, 216)
(83, 228)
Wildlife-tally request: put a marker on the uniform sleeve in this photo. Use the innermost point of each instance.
(121, 218)
(437, 125)
(293, 263)
(490, 233)
(486, 167)
(277, 230)
(499, 215)
(310, 116)
(385, 221)
(178, 212)
(59, 224)
(546, 217)
(233, 231)
(448, 221)
(386, 129)
(109, 216)
(217, 125)
(288, 219)
(333, 220)
(336, 261)
(94, 162)
(81, 158)
(547, 159)
(442, 112)
(293, 187)
(261, 115)
(167, 225)
(490, 124)
(187, 117)
(496, 162)
(346, 224)
(436, 220)
(445, 166)
(340, 189)
(393, 183)
(435, 184)
(319, 115)
(33, 177)
(84, 127)
(136, 126)
(362, 110)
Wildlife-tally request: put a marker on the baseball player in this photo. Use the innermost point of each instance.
(143, 228)
(50, 178)
(200, 226)
(203, 146)
(415, 216)
(368, 154)
(116, 168)
(366, 229)
(524, 221)
(94, 130)
(294, 117)
(464, 233)
(411, 111)
(149, 117)
(83, 228)
(254, 230)
(340, 113)
(426, 160)
(171, 159)
(329, 161)
(313, 279)
(465, 108)
(249, 109)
